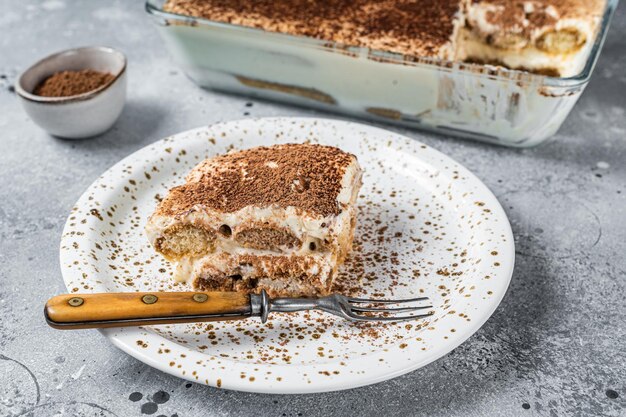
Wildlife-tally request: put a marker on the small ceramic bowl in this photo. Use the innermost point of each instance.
(82, 115)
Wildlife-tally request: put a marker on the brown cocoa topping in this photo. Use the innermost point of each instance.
(404, 26)
(230, 182)
(72, 83)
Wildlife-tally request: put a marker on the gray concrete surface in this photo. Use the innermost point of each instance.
(555, 347)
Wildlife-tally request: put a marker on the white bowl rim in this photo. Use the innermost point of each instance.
(78, 97)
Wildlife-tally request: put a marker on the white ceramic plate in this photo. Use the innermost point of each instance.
(426, 226)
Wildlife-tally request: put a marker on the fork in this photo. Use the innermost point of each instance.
(85, 311)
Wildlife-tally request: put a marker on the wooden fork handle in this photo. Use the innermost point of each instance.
(86, 311)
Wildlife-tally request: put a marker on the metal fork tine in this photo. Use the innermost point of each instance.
(374, 301)
(358, 317)
(390, 310)
(339, 305)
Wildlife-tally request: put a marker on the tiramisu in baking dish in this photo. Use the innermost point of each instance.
(503, 71)
(277, 218)
(545, 36)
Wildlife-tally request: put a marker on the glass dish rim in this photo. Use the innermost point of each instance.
(501, 74)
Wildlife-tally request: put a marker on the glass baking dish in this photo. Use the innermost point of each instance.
(483, 102)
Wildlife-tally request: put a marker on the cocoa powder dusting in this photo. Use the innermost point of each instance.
(71, 83)
(305, 176)
(421, 28)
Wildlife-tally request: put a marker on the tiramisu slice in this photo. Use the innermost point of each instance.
(279, 218)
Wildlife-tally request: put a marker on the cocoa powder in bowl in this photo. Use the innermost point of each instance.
(71, 83)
